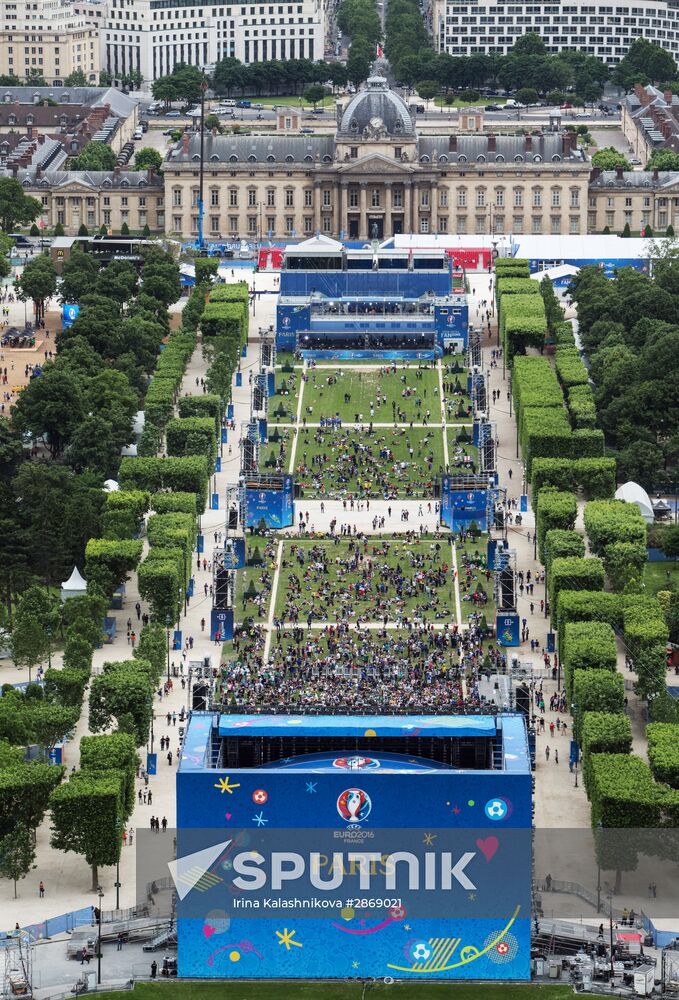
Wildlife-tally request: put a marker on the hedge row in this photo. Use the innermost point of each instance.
(608, 521)
(207, 405)
(534, 384)
(623, 794)
(581, 407)
(595, 691)
(570, 368)
(562, 543)
(663, 752)
(189, 475)
(574, 574)
(594, 476)
(587, 646)
(192, 436)
(555, 510)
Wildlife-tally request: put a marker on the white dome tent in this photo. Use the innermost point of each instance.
(75, 586)
(633, 493)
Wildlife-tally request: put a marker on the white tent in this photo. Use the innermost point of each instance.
(633, 493)
(138, 423)
(75, 586)
(111, 486)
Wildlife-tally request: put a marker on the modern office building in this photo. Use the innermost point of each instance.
(49, 39)
(376, 177)
(606, 30)
(152, 36)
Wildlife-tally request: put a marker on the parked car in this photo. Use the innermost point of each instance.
(173, 114)
(306, 131)
(584, 114)
(492, 107)
(635, 161)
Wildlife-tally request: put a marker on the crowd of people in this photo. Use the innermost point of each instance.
(373, 580)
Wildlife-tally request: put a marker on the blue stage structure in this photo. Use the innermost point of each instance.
(395, 303)
(329, 847)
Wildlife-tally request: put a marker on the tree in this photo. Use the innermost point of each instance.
(212, 123)
(76, 79)
(78, 274)
(627, 232)
(29, 637)
(34, 231)
(315, 94)
(51, 406)
(609, 158)
(38, 281)
(94, 156)
(148, 158)
(527, 95)
(16, 208)
(164, 89)
(663, 159)
(146, 231)
(427, 89)
(124, 229)
(358, 67)
(17, 854)
(59, 229)
(88, 816)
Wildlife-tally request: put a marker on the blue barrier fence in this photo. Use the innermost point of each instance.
(50, 928)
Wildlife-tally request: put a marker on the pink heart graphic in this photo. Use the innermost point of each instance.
(488, 847)
(209, 931)
(228, 815)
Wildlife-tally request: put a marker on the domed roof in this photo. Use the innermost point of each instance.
(378, 109)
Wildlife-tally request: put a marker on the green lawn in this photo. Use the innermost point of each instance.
(656, 576)
(480, 102)
(351, 580)
(388, 463)
(341, 991)
(254, 583)
(277, 450)
(471, 566)
(378, 394)
(457, 451)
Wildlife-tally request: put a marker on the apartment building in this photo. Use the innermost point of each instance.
(49, 39)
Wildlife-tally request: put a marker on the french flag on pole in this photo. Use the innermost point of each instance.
(378, 51)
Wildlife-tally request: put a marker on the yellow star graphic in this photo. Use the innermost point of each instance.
(224, 785)
(285, 937)
(429, 839)
(406, 927)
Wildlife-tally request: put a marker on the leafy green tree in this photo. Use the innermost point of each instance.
(76, 79)
(16, 207)
(78, 275)
(59, 229)
(11, 449)
(146, 231)
(94, 156)
(124, 229)
(17, 854)
(627, 232)
(38, 281)
(83, 230)
(644, 61)
(212, 122)
(527, 95)
(88, 814)
(34, 231)
(663, 159)
(315, 94)
(608, 158)
(51, 406)
(25, 790)
(164, 89)
(117, 281)
(427, 89)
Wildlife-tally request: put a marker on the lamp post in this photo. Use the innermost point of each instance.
(49, 645)
(598, 869)
(100, 894)
(119, 823)
(610, 926)
(168, 623)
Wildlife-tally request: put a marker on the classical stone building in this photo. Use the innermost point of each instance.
(49, 39)
(97, 198)
(377, 177)
(636, 197)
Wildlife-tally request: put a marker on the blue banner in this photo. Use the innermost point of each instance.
(551, 644)
(271, 383)
(523, 503)
(239, 379)
(403, 355)
(263, 431)
(177, 640)
(507, 628)
(189, 589)
(56, 755)
(460, 507)
(274, 507)
(151, 763)
(200, 543)
(244, 352)
(234, 553)
(214, 501)
(69, 314)
(225, 435)
(218, 464)
(229, 411)
(221, 624)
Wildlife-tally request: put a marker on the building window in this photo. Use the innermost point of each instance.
(556, 225)
(214, 197)
(537, 197)
(252, 197)
(499, 224)
(443, 198)
(194, 197)
(517, 224)
(462, 224)
(480, 197)
(233, 224)
(574, 225)
(537, 224)
(233, 197)
(556, 198)
(610, 218)
(289, 224)
(424, 201)
(177, 197)
(500, 198)
(214, 223)
(397, 198)
(662, 218)
(107, 218)
(194, 223)
(308, 198)
(353, 198)
(443, 223)
(327, 223)
(308, 222)
(375, 198)
(424, 225)
(575, 198)
(326, 198)
(353, 152)
(462, 198)
(518, 198)
(289, 198)
(252, 225)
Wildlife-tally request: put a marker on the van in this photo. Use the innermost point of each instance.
(137, 134)
(228, 104)
(511, 103)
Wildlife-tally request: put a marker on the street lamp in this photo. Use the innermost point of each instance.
(100, 893)
(168, 623)
(49, 645)
(119, 823)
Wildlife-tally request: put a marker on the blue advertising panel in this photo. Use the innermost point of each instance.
(221, 624)
(56, 754)
(239, 379)
(234, 553)
(271, 383)
(523, 503)
(229, 411)
(69, 313)
(274, 507)
(354, 867)
(263, 430)
(151, 763)
(189, 588)
(200, 543)
(177, 640)
(404, 355)
(459, 507)
(214, 501)
(218, 464)
(507, 628)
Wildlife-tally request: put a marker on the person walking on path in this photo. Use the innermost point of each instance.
(41, 890)
(119, 944)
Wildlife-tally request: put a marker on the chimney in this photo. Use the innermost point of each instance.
(29, 131)
(618, 173)
(656, 175)
(15, 169)
(528, 144)
(185, 143)
(492, 142)
(116, 170)
(38, 172)
(452, 144)
(151, 173)
(41, 139)
(596, 171)
(667, 94)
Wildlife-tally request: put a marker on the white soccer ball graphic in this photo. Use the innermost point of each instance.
(421, 952)
(496, 809)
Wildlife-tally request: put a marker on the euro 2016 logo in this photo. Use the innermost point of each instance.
(354, 805)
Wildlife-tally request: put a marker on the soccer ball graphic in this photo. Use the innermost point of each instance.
(496, 809)
(420, 951)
